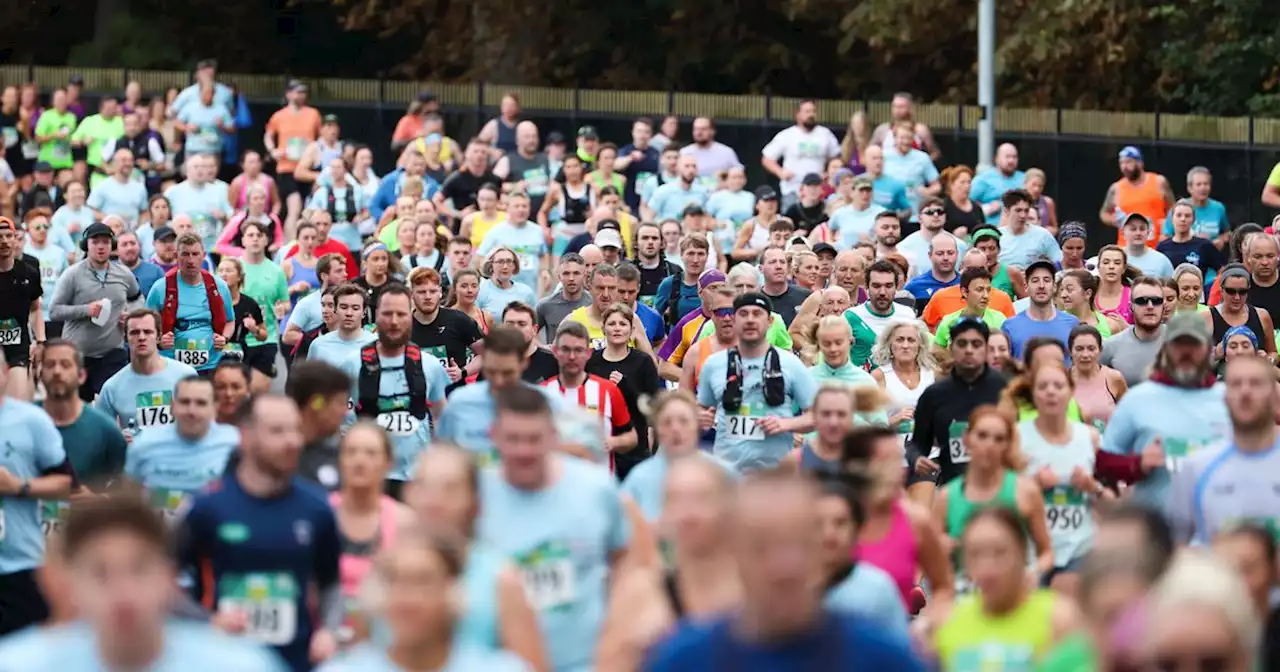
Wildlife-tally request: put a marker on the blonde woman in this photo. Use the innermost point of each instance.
(905, 369)
(1190, 282)
(805, 270)
(856, 139)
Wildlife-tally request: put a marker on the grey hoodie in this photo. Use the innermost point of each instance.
(79, 286)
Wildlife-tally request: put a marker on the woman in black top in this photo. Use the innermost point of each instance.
(247, 311)
(963, 215)
(632, 371)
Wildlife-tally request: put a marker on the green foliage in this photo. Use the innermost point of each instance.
(130, 42)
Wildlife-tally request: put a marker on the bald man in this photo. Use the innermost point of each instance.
(848, 274)
(526, 169)
(990, 185)
(942, 269)
(951, 299)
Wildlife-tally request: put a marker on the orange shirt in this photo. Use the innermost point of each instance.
(294, 130)
(949, 300)
(1145, 198)
(409, 127)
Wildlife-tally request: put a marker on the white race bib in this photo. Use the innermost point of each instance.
(269, 603)
(745, 427)
(398, 423)
(193, 358)
(10, 332)
(151, 416)
(1065, 518)
(550, 584)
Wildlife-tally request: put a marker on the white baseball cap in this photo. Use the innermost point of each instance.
(608, 238)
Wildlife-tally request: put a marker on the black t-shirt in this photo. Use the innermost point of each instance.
(448, 337)
(542, 365)
(806, 218)
(19, 288)
(788, 303)
(650, 278)
(957, 218)
(639, 379)
(1198, 252)
(371, 294)
(246, 307)
(461, 187)
(40, 197)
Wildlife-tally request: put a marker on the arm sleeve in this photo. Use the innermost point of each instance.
(1180, 504)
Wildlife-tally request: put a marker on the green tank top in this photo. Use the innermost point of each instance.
(1029, 412)
(961, 508)
(1001, 280)
(1103, 327)
(972, 639)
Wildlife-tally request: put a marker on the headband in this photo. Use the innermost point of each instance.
(373, 247)
(1240, 330)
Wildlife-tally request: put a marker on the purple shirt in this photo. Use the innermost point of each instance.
(74, 108)
(676, 337)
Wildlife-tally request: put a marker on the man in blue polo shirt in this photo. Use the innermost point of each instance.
(942, 272)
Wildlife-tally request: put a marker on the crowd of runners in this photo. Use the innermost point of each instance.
(530, 403)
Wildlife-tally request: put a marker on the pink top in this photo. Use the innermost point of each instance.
(230, 234)
(895, 553)
(1124, 311)
(242, 199)
(353, 568)
(1095, 400)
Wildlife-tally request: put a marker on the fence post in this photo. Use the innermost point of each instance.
(768, 107)
(671, 105)
(577, 107)
(1248, 165)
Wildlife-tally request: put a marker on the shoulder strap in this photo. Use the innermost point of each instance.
(673, 299)
(440, 262)
(169, 310)
(217, 309)
(416, 378)
(367, 382)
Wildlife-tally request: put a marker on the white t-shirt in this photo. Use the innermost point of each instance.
(802, 152)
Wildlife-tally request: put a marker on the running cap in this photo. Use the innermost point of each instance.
(863, 181)
(753, 299)
(1136, 216)
(710, 277)
(824, 248)
(1131, 152)
(1187, 325)
(329, 119)
(608, 238)
(42, 167)
(1042, 262)
(765, 192)
(555, 138)
(984, 232)
(693, 210)
(811, 180)
(165, 233)
(7, 224)
(588, 132)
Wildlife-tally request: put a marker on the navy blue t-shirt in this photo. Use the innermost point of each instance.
(924, 285)
(262, 557)
(1199, 252)
(839, 642)
(637, 172)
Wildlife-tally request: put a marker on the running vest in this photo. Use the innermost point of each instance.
(1068, 512)
(1144, 198)
(960, 508)
(169, 312)
(1001, 281)
(576, 208)
(506, 140)
(370, 378)
(972, 639)
(348, 212)
(534, 172)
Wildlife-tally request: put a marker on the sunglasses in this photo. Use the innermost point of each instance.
(40, 227)
(723, 312)
(1148, 300)
(1235, 291)
(933, 212)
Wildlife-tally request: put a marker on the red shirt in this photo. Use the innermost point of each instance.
(600, 396)
(332, 246)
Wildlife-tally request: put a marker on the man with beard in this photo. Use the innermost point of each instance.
(933, 221)
(869, 318)
(444, 333)
(886, 232)
(570, 297)
(1133, 350)
(196, 311)
(130, 254)
(398, 385)
(797, 151)
(1138, 191)
(942, 269)
(1178, 409)
(280, 571)
(713, 157)
(1042, 318)
(1238, 479)
(671, 199)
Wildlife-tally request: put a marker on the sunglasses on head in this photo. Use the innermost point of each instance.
(934, 212)
(723, 312)
(1148, 300)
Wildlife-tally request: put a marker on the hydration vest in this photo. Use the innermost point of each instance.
(371, 376)
(169, 313)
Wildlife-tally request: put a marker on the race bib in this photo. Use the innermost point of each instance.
(1065, 510)
(743, 426)
(439, 352)
(48, 273)
(167, 502)
(30, 150)
(192, 354)
(268, 601)
(154, 408)
(955, 443)
(10, 136)
(536, 181)
(10, 332)
(549, 577)
(994, 656)
(398, 423)
(1177, 450)
(208, 136)
(293, 148)
(53, 514)
(528, 262)
(599, 343)
(61, 149)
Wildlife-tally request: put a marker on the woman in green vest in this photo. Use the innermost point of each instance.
(991, 480)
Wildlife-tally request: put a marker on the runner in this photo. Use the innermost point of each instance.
(322, 394)
(498, 613)
(1137, 191)
(761, 395)
(268, 286)
(975, 287)
(202, 197)
(1006, 278)
(118, 194)
(635, 374)
(723, 337)
(572, 347)
(175, 462)
(1191, 415)
(943, 409)
(541, 363)
(248, 314)
(330, 271)
(500, 287)
(342, 348)
(1133, 350)
(418, 581)
(267, 570)
(1190, 288)
(289, 132)
(119, 563)
(328, 322)
(566, 560)
(1236, 310)
(444, 333)
(522, 237)
(870, 318)
(230, 390)
(1098, 388)
(1006, 622)
(20, 285)
(1077, 290)
(463, 293)
(835, 340)
(140, 395)
(33, 469)
(195, 307)
(1149, 261)
(680, 295)
(1234, 479)
(1042, 317)
(229, 239)
(905, 368)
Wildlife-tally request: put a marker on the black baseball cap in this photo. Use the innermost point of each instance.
(165, 233)
(588, 132)
(555, 138)
(426, 97)
(1041, 263)
(765, 192)
(811, 180)
(824, 248)
(753, 299)
(42, 167)
(98, 229)
(693, 210)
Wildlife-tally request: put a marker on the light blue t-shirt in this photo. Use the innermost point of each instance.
(646, 482)
(494, 299)
(199, 203)
(138, 402)
(1221, 486)
(526, 240)
(1019, 250)
(1152, 262)
(914, 169)
(172, 467)
(409, 435)
(560, 539)
(193, 331)
(53, 261)
(649, 184)
(331, 349)
(222, 97)
(127, 200)
(204, 122)
(1186, 420)
(308, 314)
(990, 184)
(851, 226)
(469, 416)
(1211, 220)
(1021, 328)
(890, 193)
(74, 648)
(64, 218)
(740, 441)
(869, 592)
(29, 445)
(670, 200)
(735, 206)
(367, 658)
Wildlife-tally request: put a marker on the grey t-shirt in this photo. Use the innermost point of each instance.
(1130, 355)
(1218, 486)
(552, 311)
(788, 303)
